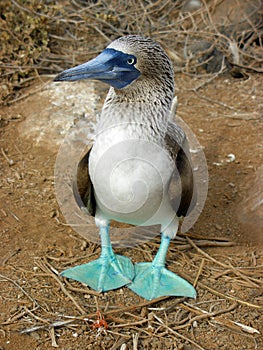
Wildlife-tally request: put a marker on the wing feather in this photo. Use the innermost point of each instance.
(177, 145)
(83, 188)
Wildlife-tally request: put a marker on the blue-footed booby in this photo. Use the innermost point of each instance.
(136, 152)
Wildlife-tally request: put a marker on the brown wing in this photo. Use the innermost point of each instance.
(178, 148)
(83, 188)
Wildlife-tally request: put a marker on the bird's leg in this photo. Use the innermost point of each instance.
(109, 272)
(153, 280)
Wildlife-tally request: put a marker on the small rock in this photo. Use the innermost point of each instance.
(231, 158)
(195, 325)
(35, 335)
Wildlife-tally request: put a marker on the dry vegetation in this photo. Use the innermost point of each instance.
(40, 38)
(43, 37)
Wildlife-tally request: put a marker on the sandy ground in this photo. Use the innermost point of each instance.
(36, 242)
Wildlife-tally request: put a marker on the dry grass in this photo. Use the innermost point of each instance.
(40, 38)
(88, 313)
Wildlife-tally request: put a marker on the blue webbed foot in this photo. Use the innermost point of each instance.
(152, 282)
(103, 274)
(109, 272)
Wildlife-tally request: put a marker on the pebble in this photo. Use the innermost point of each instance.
(231, 158)
(35, 335)
(195, 324)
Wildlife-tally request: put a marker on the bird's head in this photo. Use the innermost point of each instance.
(126, 60)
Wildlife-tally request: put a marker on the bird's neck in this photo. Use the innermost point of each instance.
(143, 113)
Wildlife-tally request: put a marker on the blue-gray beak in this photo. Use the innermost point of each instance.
(111, 66)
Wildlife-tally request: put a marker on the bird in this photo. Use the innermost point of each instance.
(128, 173)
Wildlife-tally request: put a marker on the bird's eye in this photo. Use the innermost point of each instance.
(131, 60)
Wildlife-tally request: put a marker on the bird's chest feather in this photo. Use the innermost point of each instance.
(130, 174)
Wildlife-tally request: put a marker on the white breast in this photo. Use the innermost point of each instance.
(130, 177)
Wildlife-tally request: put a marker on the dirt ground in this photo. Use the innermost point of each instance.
(222, 253)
